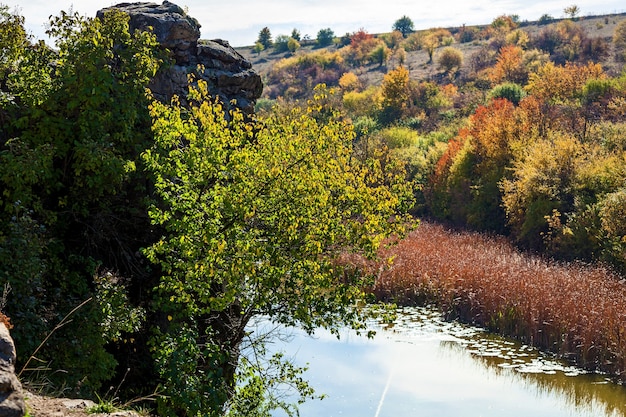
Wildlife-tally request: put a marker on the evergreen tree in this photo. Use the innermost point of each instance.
(265, 38)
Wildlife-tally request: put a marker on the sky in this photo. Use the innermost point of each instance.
(240, 21)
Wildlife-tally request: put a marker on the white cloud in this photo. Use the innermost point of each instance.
(240, 22)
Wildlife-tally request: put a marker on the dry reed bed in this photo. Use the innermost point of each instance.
(574, 310)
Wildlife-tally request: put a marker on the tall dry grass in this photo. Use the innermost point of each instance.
(575, 310)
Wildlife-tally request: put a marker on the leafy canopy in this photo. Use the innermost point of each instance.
(256, 215)
(71, 136)
(404, 25)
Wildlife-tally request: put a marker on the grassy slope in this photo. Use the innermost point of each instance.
(417, 61)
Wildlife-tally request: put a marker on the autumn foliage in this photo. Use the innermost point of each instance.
(575, 310)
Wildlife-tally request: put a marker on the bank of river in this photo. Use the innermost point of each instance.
(424, 366)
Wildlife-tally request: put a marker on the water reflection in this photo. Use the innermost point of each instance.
(424, 366)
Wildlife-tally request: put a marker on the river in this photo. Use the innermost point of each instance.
(424, 366)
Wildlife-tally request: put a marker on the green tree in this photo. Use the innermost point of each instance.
(404, 25)
(72, 194)
(325, 37)
(295, 34)
(545, 19)
(265, 37)
(281, 43)
(13, 42)
(255, 215)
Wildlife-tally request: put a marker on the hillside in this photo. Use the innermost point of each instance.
(418, 61)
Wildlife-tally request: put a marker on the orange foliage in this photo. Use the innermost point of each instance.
(574, 310)
(361, 45)
(510, 66)
(493, 128)
(450, 91)
(445, 161)
(358, 37)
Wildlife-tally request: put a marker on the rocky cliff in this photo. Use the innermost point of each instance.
(229, 75)
(11, 396)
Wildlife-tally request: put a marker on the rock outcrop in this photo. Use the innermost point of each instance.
(228, 74)
(11, 395)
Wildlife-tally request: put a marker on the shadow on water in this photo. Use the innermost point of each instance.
(422, 365)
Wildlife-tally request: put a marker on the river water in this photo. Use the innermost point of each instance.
(424, 366)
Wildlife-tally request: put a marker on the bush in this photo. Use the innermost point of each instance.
(450, 60)
(349, 82)
(293, 45)
(281, 43)
(365, 125)
(509, 91)
(396, 137)
(543, 181)
(296, 76)
(363, 103)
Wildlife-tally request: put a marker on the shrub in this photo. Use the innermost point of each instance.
(393, 40)
(467, 35)
(450, 60)
(365, 125)
(380, 54)
(281, 43)
(293, 45)
(510, 91)
(349, 81)
(364, 103)
(296, 76)
(414, 42)
(399, 137)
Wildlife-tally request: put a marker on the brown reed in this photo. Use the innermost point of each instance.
(575, 310)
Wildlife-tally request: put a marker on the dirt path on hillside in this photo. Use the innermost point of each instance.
(42, 406)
